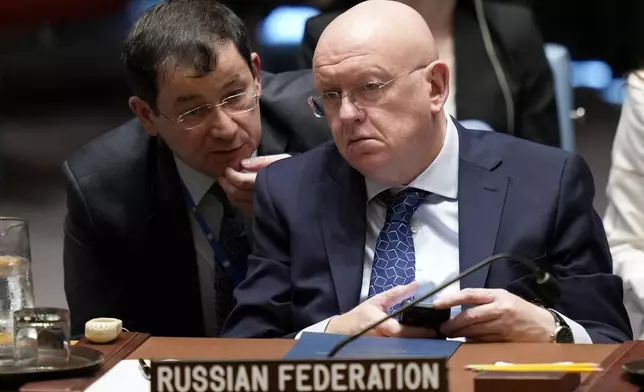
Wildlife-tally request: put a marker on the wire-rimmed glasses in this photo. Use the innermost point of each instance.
(232, 105)
(365, 95)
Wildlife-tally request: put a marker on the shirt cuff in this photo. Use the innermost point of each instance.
(578, 332)
(318, 327)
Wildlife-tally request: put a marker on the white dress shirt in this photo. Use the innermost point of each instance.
(624, 218)
(434, 229)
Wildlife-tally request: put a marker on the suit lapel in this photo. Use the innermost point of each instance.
(481, 195)
(344, 226)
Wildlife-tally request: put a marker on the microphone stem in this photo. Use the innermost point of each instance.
(415, 302)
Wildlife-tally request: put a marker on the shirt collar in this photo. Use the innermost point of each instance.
(441, 177)
(196, 182)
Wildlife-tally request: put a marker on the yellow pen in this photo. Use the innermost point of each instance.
(572, 367)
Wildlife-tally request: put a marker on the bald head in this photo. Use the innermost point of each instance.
(389, 28)
(382, 90)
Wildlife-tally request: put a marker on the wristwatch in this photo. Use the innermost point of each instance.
(562, 332)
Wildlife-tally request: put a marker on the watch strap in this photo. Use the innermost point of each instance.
(560, 324)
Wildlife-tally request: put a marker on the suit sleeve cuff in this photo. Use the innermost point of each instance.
(578, 332)
(318, 327)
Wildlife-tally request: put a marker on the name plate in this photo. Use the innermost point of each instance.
(403, 374)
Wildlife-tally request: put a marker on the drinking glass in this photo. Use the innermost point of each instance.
(41, 337)
(16, 287)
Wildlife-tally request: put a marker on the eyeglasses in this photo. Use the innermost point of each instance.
(366, 95)
(232, 105)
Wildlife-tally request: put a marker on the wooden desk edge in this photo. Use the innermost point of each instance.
(220, 348)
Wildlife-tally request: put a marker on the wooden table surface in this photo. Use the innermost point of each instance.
(459, 379)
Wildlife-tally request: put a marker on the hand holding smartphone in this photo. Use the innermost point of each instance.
(426, 317)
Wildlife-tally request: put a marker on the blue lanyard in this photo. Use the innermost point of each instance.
(236, 272)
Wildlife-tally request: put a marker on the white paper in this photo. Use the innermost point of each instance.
(125, 376)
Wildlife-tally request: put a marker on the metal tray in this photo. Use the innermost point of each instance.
(83, 360)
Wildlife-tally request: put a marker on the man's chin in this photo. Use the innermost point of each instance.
(366, 164)
(235, 165)
(373, 166)
(232, 159)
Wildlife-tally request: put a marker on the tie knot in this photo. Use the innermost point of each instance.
(402, 206)
(219, 193)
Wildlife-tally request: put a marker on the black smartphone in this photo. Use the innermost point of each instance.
(425, 316)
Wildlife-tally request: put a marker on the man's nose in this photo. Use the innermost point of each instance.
(222, 126)
(349, 112)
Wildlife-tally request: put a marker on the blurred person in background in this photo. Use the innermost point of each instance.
(500, 73)
(624, 217)
(158, 223)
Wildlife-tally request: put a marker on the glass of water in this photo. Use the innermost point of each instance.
(41, 337)
(16, 288)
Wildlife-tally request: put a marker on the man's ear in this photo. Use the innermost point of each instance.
(254, 58)
(437, 75)
(143, 111)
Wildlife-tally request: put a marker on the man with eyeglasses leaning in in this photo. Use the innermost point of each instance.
(406, 198)
(160, 210)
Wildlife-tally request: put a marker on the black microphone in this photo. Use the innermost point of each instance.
(547, 285)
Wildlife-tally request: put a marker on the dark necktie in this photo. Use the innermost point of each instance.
(234, 241)
(394, 260)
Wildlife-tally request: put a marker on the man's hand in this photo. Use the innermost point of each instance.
(240, 187)
(497, 316)
(374, 309)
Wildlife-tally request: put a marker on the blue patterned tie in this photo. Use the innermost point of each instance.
(394, 260)
(235, 242)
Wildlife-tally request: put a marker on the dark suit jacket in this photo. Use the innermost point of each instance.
(514, 196)
(478, 93)
(128, 249)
